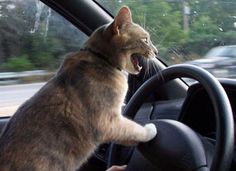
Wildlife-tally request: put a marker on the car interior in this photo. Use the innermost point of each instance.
(195, 127)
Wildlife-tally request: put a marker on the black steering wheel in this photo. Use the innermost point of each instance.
(187, 153)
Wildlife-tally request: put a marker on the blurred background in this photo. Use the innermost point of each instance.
(34, 39)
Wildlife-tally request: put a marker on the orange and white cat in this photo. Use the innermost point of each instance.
(62, 124)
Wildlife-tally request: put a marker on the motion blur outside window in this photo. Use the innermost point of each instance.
(184, 31)
(34, 40)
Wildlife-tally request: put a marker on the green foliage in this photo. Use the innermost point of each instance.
(202, 35)
(158, 17)
(227, 38)
(210, 24)
(35, 48)
(45, 52)
(21, 63)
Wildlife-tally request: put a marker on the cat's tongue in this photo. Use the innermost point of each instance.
(135, 62)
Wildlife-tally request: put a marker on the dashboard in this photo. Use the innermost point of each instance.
(195, 110)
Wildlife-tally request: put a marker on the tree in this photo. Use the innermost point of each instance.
(44, 39)
(211, 24)
(158, 17)
(20, 63)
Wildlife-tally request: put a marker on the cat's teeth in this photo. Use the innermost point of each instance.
(139, 68)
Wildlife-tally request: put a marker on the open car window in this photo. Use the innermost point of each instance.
(34, 40)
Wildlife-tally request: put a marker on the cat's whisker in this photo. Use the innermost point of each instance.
(144, 20)
(154, 33)
(148, 67)
(151, 68)
(145, 67)
(157, 69)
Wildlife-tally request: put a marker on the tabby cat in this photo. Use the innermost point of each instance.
(80, 107)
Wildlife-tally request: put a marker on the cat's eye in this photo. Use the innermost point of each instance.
(145, 40)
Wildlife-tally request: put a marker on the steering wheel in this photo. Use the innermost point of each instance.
(177, 146)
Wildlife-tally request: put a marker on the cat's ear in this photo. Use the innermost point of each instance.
(122, 18)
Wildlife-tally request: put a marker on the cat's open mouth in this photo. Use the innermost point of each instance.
(135, 61)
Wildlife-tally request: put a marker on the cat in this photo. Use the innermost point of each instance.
(80, 107)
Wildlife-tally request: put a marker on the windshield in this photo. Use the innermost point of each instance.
(184, 30)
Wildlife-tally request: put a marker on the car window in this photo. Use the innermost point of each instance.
(34, 40)
(185, 31)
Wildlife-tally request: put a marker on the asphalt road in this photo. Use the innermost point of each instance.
(12, 96)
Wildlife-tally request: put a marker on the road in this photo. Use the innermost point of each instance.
(12, 96)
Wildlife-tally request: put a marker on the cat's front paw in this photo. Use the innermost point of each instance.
(151, 131)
